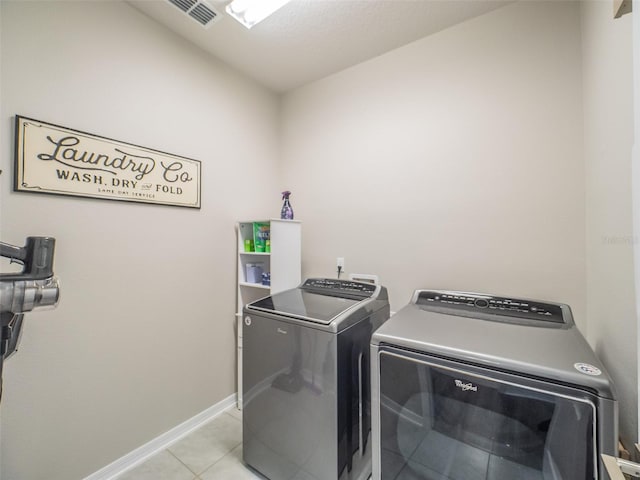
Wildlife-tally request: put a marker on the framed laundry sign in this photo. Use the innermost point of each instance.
(58, 160)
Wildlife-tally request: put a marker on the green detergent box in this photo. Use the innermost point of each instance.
(261, 232)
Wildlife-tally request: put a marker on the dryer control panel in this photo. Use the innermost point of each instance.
(492, 305)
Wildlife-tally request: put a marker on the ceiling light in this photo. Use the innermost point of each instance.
(250, 12)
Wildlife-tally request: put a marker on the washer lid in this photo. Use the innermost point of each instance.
(299, 303)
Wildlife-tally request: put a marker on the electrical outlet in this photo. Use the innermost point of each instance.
(340, 262)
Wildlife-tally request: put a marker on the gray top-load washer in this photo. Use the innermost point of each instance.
(306, 383)
(474, 386)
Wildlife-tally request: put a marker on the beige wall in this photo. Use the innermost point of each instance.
(608, 138)
(454, 162)
(143, 338)
(468, 150)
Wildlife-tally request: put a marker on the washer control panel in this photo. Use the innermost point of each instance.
(332, 286)
(492, 305)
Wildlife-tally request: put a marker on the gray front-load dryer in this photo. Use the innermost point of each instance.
(479, 387)
(305, 376)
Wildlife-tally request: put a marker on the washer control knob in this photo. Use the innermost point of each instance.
(481, 303)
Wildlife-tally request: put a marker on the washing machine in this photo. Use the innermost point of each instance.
(470, 386)
(306, 380)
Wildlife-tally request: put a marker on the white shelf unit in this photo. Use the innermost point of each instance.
(283, 262)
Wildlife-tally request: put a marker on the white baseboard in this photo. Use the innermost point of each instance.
(139, 455)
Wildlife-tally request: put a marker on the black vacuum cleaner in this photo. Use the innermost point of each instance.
(34, 287)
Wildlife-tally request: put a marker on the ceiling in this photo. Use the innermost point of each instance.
(309, 39)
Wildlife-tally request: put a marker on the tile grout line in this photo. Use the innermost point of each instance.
(184, 464)
(197, 474)
(221, 458)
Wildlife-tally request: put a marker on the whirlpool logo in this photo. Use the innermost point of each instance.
(466, 387)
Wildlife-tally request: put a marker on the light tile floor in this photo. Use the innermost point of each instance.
(213, 452)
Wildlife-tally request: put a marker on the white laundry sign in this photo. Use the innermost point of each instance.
(58, 160)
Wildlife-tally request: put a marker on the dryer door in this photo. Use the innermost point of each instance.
(445, 420)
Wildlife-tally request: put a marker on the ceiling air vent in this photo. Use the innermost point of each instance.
(183, 5)
(201, 12)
